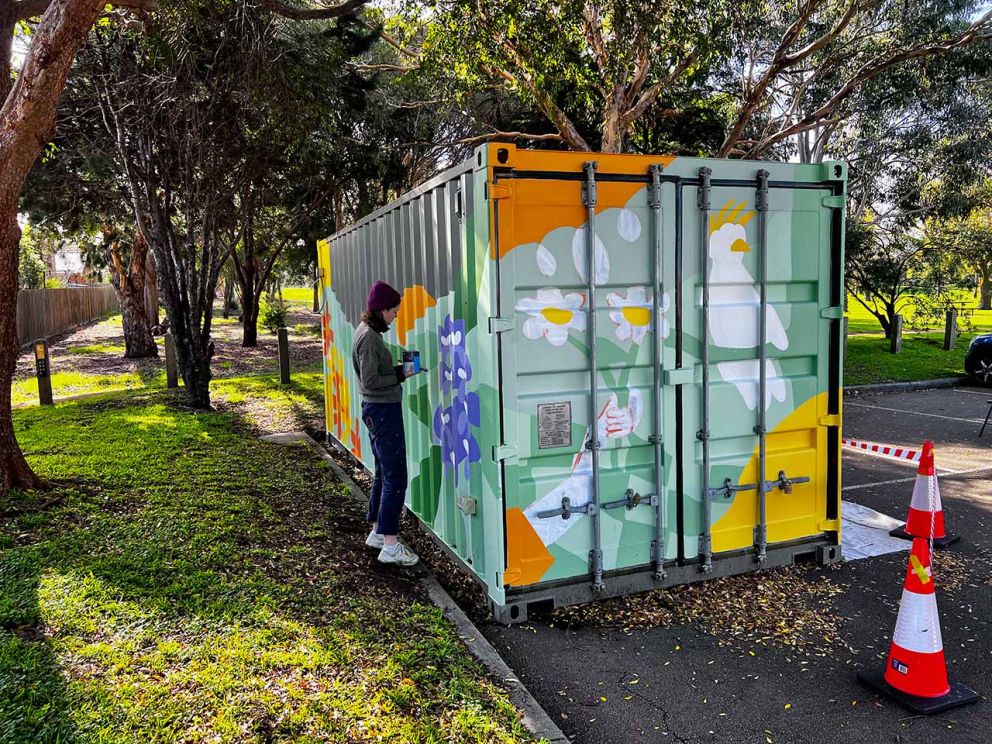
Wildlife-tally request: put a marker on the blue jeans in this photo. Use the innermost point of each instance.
(385, 424)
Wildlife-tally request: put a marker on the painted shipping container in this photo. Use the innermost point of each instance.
(634, 365)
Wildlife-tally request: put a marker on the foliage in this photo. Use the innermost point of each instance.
(274, 314)
(771, 78)
(30, 266)
(190, 586)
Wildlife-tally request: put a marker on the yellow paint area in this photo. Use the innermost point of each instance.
(413, 307)
(740, 246)
(527, 558)
(545, 205)
(637, 316)
(798, 445)
(557, 316)
(730, 214)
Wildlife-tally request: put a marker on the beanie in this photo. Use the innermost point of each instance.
(383, 297)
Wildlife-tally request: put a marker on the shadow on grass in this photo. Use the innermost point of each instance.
(197, 583)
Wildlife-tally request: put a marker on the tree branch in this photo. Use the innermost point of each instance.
(323, 12)
(406, 52)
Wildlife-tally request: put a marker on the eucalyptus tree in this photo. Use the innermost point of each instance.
(779, 71)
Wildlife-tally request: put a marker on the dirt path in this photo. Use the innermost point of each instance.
(98, 349)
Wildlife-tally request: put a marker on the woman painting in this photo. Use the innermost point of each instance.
(379, 381)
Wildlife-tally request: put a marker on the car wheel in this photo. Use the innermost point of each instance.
(982, 368)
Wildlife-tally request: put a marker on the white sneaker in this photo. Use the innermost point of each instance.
(398, 554)
(374, 540)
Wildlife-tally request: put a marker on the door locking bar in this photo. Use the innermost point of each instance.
(785, 483)
(567, 510)
(729, 488)
(630, 500)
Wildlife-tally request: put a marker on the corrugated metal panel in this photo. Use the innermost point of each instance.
(496, 298)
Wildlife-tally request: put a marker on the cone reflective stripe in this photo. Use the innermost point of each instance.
(920, 519)
(916, 662)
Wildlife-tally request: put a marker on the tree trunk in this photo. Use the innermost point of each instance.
(14, 469)
(138, 340)
(151, 290)
(249, 315)
(985, 289)
(27, 120)
(129, 283)
(228, 297)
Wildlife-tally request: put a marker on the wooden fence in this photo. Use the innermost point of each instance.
(42, 313)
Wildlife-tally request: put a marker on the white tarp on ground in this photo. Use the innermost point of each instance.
(865, 533)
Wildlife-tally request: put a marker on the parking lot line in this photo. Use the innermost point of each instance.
(986, 394)
(915, 413)
(894, 481)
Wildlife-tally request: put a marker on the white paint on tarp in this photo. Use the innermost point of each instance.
(865, 532)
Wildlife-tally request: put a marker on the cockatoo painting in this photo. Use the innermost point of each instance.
(734, 307)
(613, 422)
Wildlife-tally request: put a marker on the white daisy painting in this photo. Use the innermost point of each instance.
(551, 314)
(631, 314)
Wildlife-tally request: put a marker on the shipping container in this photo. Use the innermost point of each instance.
(634, 365)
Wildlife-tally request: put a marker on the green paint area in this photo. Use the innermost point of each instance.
(191, 582)
(922, 358)
(425, 490)
(78, 383)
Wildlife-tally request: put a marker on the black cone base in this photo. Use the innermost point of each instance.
(958, 695)
(938, 542)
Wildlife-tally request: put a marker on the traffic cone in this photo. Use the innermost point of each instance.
(916, 672)
(920, 517)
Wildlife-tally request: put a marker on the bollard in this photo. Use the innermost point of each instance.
(895, 343)
(950, 329)
(43, 371)
(171, 368)
(284, 356)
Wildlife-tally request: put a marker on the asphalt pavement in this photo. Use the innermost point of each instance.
(683, 683)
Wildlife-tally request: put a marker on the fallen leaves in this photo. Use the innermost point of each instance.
(789, 607)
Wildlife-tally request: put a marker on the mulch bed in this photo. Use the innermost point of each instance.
(230, 358)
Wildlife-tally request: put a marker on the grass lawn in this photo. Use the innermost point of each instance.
(922, 358)
(65, 384)
(859, 320)
(186, 582)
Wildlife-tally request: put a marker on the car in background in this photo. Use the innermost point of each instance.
(978, 359)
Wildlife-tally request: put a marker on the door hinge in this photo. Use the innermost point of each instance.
(500, 325)
(504, 452)
(833, 202)
(835, 312)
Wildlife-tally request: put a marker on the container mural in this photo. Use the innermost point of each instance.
(634, 365)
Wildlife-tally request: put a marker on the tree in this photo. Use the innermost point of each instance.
(30, 266)
(785, 69)
(878, 265)
(75, 189)
(27, 118)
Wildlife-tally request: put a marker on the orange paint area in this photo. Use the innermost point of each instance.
(527, 559)
(559, 203)
(341, 421)
(413, 307)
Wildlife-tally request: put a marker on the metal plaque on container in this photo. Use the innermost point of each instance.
(554, 425)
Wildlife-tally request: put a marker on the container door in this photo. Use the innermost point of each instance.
(756, 329)
(573, 513)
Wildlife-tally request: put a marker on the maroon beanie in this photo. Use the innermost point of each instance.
(383, 297)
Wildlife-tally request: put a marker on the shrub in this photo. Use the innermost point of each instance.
(273, 314)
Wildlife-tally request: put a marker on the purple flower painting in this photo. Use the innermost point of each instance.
(453, 423)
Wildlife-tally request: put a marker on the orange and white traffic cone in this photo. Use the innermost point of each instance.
(916, 672)
(926, 516)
